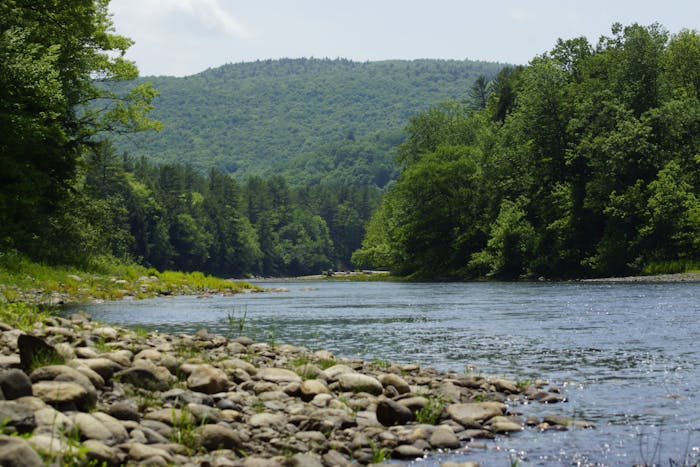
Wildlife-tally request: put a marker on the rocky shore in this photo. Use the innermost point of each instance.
(76, 392)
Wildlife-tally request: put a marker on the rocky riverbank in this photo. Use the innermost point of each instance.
(76, 392)
(678, 277)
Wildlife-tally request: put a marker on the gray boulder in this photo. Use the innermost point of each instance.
(15, 384)
(16, 452)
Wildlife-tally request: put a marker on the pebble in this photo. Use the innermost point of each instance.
(204, 400)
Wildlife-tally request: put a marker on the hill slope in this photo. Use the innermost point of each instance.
(335, 121)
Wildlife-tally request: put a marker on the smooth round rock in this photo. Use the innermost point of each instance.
(17, 416)
(16, 452)
(63, 395)
(444, 438)
(14, 384)
(395, 380)
(391, 413)
(208, 379)
(357, 382)
(212, 437)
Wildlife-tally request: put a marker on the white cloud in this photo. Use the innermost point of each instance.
(212, 15)
(207, 13)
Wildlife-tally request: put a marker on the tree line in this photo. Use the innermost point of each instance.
(171, 216)
(585, 162)
(308, 119)
(68, 197)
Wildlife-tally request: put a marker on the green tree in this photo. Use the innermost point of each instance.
(50, 55)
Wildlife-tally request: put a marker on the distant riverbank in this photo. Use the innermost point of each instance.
(680, 277)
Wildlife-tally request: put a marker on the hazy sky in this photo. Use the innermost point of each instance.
(184, 37)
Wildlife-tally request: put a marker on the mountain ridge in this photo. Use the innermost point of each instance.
(334, 121)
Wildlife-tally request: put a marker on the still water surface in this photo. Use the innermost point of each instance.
(626, 354)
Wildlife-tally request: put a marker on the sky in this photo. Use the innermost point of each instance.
(184, 37)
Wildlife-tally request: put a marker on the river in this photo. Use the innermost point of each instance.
(625, 354)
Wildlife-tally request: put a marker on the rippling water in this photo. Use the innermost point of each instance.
(625, 353)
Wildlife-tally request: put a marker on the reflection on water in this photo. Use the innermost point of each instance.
(618, 350)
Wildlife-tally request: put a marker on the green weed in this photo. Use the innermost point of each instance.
(432, 411)
(379, 454)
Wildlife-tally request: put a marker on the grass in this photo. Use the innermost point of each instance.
(431, 413)
(671, 267)
(184, 427)
(379, 454)
(30, 290)
(236, 322)
(23, 316)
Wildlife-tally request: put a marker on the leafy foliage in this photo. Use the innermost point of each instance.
(585, 162)
(316, 121)
(50, 55)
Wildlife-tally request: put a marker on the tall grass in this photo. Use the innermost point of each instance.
(671, 267)
(26, 281)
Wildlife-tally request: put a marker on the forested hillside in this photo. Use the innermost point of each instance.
(330, 121)
(586, 162)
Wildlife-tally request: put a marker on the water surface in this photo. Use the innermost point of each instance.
(626, 354)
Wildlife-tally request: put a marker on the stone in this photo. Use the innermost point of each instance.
(170, 416)
(277, 375)
(106, 332)
(9, 361)
(65, 373)
(124, 410)
(311, 388)
(391, 413)
(556, 420)
(91, 428)
(16, 452)
(213, 437)
(504, 385)
(275, 420)
(14, 384)
(357, 382)
(204, 413)
(141, 378)
(101, 454)
(50, 420)
(43, 442)
(306, 459)
(116, 428)
(151, 436)
(333, 372)
(179, 397)
(97, 381)
(159, 427)
(105, 367)
(444, 438)
(501, 425)
(415, 403)
(253, 461)
(145, 454)
(473, 415)
(121, 357)
(63, 395)
(208, 379)
(407, 451)
(35, 352)
(335, 458)
(17, 416)
(396, 381)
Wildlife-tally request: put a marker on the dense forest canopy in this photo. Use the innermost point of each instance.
(312, 120)
(51, 56)
(584, 162)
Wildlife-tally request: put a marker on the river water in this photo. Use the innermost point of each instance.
(625, 354)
